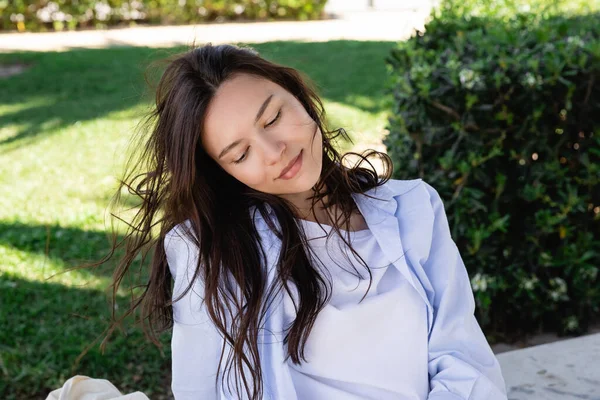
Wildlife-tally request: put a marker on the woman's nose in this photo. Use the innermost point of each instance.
(273, 151)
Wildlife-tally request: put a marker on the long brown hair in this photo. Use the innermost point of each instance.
(177, 181)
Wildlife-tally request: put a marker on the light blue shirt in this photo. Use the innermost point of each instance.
(408, 220)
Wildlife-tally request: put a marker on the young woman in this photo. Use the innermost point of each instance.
(295, 275)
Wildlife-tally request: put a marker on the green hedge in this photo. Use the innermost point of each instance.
(502, 115)
(504, 10)
(44, 15)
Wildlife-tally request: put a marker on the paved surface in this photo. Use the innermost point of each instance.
(568, 369)
(388, 24)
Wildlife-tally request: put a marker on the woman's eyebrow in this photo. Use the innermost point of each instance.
(231, 146)
(261, 110)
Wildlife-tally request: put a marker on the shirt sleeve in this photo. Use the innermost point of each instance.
(461, 363)
(196, 343)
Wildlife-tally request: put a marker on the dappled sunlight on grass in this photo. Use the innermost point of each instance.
(54, 315)
(11, 130)
(51, 324)
(37, 267)
(365, 129)
(38, 252)
(361, 102)
(7, 108)
(11, 125)
(63, 178)
(85, 85)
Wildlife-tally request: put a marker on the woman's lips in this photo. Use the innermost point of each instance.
(293, 167)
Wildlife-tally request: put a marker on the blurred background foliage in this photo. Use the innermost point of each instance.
(507, 9)
(58, 15)
(497, 105)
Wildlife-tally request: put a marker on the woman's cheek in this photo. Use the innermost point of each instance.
(252, 175)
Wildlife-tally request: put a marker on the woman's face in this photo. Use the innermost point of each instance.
(261, 135)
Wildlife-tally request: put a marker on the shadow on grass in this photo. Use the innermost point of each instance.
(46, 326)
(63, 88)
(71, 246)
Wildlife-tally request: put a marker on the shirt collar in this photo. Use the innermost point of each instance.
(379, 197)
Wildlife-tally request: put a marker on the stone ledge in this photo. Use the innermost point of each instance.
(568, 369)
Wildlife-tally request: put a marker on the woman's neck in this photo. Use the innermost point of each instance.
(330, 216)
(303, 202)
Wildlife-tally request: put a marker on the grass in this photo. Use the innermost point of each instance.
(64, 126)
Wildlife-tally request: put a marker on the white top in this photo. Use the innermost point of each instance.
(348, 357)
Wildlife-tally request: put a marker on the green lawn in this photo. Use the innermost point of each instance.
(64, 127)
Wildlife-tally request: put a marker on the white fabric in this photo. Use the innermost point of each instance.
(348, 357)
(81, 387)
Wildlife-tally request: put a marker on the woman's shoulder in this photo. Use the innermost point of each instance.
(415, 198)
(179, 246)
(413, 188)
(421, 215)
(398, 187)
(181, 232)
(406, 191)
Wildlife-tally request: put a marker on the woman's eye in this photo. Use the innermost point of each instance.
(274, 119)
(243, 157)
